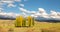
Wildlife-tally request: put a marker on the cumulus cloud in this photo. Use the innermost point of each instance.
(27, 11)
(1, 9)
(24, 10)
(41, 13)
(24, 13)
(22, 5)
(35, 14)
(58, 13)
(7, 1)
(10, 1)
(11, 5)
(41, 10)
(18, 0)
(32, 12)
(54, 14)
(8, 15)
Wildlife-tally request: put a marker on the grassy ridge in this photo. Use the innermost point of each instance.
(8, 26)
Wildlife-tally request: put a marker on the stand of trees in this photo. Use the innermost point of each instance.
(23, 22)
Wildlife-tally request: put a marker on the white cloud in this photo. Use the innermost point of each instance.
(7, 1)
(32, 15)
(54, 14)
(9, 14)
(17, 14)
(24, 10)
(32, 12)
(1, 9)
(41, 10)
(37, 14)
(58, 13)
(43, 13)
(11, 5)
(27, 11)
(10, 1)
(18, 0)
(22, 5)
(24, 13)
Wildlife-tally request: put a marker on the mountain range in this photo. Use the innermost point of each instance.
(40, 19)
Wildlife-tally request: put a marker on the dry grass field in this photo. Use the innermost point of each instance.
(8, 26)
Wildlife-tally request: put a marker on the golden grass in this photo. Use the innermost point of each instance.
(7, 25)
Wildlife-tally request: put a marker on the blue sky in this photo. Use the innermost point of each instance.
(46, 4)
(34, 8)
(33, 5)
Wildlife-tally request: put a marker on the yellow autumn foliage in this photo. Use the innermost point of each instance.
(21, 21)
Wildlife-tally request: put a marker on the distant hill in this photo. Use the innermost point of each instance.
(41, 19)
(7, 17)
